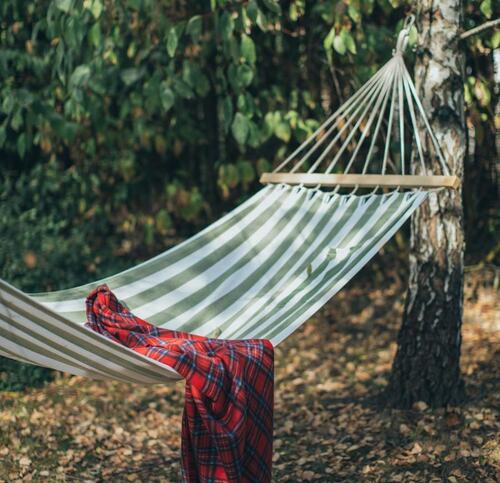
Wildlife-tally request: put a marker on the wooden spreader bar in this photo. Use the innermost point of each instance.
(362, 180)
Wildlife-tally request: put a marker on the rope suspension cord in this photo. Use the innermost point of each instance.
(437, 147)
(364, 112)
(368, 94)
(374, 137)
(346, 107)
(381, 98)
(380, 91)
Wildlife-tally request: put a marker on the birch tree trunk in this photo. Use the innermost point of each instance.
(426, 366)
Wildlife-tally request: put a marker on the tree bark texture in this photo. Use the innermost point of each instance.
(427, 364)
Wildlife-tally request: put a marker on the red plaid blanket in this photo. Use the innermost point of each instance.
(227, 426)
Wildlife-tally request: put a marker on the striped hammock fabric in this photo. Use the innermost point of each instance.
(259, 272)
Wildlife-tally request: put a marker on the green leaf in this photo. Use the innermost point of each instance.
(412, 36)
(134, 4)
(339, 45)
(349, 42)
(3, 136)
(131, 75)
(64, 5)
(241, 103)
(272, 5)
(201, 84)
(149, 233)
(240, 128)
(227, 107)
(262, 21)
(353, 12)
(195, 205)
(328, 41)
(96, 8)
(283, 131)
(167, 98)
(95, 36)
(486, 8)
(255, 136)
(80, 76)
(246, 172)
(248, 49)
(226, 25)
(183, 89)
(263, 166)
(231, 175)
(271, 120)
(245, 75)
(22, 145)
(495, 40)
(163, 221)
(253, 10)
(194, 27)
(17, 119)
(328, 44)
(172, 41)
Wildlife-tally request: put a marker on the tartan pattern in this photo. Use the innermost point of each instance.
(227, 426)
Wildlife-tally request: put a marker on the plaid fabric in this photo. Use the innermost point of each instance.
(227, 426)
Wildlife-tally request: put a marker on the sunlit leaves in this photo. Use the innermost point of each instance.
(339, 44)
(495, 39)
(248, 49)
(283, 131)
(172, 41)
(64, 5)
(80, 76)
(131, 75)
(349, 42)
(279, 125)
(95, 35)
(353, 10)
(244, 75)
(194, 27)
(22, 144)
(486, 8)
(240, 128)
(272, 5)
(167, 97)
(95, 7)
(226, 25)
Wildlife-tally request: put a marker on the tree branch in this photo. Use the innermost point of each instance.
(480, 28)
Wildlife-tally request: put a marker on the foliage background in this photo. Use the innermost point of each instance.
(126, 126)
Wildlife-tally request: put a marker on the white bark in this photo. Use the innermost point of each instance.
(426, 366)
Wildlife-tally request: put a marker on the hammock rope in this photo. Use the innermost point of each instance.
(266, 267)
(388, 94)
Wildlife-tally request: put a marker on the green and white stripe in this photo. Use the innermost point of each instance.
(260, 271)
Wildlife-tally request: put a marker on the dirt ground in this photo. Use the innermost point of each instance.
(328, 426)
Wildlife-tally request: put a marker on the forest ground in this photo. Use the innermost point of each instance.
(329, 425)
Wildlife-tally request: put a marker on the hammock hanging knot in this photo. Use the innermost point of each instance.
(404, 35)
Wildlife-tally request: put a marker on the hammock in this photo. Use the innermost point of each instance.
(266, 267)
